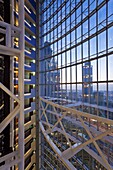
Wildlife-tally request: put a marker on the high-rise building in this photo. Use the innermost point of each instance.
(87, 87)
(56, 84)
(51, 78)
(17, 88)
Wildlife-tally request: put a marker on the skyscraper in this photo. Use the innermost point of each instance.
(87, 79)
(52, 75)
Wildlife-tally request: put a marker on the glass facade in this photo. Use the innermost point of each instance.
(76, 66)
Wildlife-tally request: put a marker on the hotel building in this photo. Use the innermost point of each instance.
(56, 84)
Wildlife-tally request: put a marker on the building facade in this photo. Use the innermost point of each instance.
(17, 74)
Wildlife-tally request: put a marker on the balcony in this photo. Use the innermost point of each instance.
(30, 54)
(33, 3)
(30, 67)
(74, 131)
(30, 122)
(30, 108)
(26, 81)
(30, 13)
(33, 16)
(31, 164)
(31, 41)
(30, 81)
(30, 95)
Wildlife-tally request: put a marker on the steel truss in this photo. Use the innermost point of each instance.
(10, 32)
(79, 117)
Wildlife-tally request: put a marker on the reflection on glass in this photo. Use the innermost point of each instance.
(110, 67)
(110, 37)
(94, 70)
(92, 24)
(110, 95)
(74, 74)
(68, 75)
(92, 47)
(94, 99)
(79, 53)
(85, 49)
(79, 34)
(102, 69)
(102, 94)
(68, 57)
(63, 75)
(102, 17)
(79, 73)
(73, 56)
(102, 41)
(79, 92)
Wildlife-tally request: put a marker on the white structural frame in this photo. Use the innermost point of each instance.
(77, 146)
(10, 31)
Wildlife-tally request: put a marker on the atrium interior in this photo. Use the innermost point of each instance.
(56, 85)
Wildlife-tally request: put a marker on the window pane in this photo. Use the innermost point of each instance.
(110, 67)
(102, 69)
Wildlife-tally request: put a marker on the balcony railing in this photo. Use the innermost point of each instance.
(76, 131)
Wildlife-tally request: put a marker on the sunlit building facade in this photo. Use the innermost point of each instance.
(81, 41)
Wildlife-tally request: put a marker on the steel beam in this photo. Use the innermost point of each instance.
(21, 85)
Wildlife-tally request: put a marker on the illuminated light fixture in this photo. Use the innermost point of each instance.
(16, 12)
(27, 37)
(28, 51)
(34, 37)
(27, 23)
(93, 120)
(27, 9)
(16, 71)
(34, 49)
(27, 65)
(27, 79)
(15, 86)
(27, 94)
(34, 24)
(33, 73)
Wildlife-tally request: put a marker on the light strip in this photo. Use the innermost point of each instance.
(27, 9)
